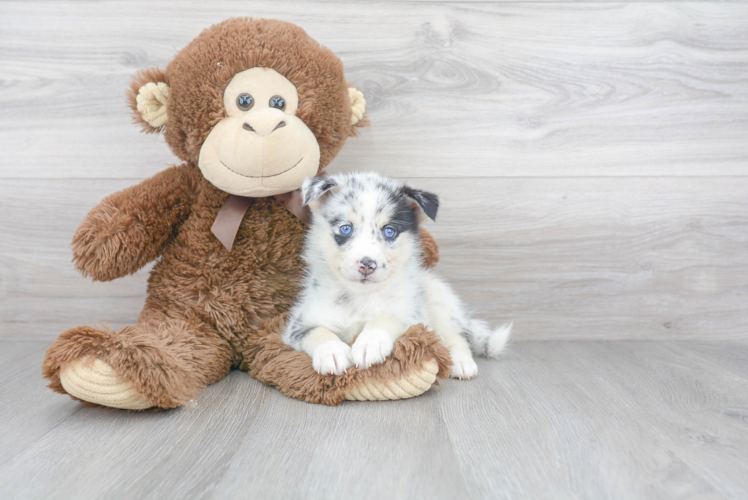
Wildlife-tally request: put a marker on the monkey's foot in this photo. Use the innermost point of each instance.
(414, 384)
(96, 382)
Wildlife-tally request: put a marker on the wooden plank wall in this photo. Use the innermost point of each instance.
(592, 157)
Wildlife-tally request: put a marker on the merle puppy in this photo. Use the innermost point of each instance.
(365, 282)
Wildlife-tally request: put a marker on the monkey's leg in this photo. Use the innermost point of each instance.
(162, 362)
(417, 359)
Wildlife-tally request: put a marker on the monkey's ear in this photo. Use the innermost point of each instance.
(358, 107)
(147, 97)
(314, 187)
(422, 201)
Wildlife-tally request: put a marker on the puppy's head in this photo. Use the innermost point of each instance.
(365, 226)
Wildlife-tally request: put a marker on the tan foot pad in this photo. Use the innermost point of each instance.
(414, 384)
(98, 383)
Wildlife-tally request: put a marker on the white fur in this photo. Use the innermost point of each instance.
(498, 340)
(371, 347)
(464, 366)
(332, 357)
(339, 303)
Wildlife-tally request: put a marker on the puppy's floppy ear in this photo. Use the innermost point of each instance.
(147, 96)
(314, 187)
(427, 202)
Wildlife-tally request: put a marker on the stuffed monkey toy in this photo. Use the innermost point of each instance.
(251, 107)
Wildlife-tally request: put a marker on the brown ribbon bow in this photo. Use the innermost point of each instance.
(232, 212)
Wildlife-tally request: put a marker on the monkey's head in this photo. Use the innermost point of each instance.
(257, 104)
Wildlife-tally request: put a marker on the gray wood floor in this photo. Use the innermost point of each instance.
(629, 419)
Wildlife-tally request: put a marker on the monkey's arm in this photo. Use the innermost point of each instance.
(430, 249)
(130, 228)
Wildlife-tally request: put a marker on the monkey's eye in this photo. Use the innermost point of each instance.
(389, 232)
(245, 102)
(277, 102)
(346, 229)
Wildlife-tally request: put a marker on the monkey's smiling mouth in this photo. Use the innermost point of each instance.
(262, 176)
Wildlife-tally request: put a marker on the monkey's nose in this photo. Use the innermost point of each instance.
(263, 126)
(366, 266)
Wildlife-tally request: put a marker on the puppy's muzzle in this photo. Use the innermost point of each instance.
(366, 266)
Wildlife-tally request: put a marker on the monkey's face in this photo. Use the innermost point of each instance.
(257, 104)
(261, 148)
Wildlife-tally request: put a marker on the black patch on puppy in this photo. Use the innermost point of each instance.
(429, 202)
(314, 188)
(466, 336)
(337, 221)
(340, 239)
(296, 332)
(403, 217)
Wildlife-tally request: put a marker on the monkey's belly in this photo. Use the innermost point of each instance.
(237, 291)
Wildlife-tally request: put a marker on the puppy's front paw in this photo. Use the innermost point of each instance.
(332, 358)
(371, 347)
(464, 367)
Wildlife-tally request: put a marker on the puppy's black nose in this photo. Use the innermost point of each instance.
(366, 266)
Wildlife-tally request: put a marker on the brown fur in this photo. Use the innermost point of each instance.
(270, 360)
(209, 309)
(206, 66)
(142, 77)
(430, 249)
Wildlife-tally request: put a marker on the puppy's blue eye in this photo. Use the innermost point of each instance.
(346, 229)
(278, 102)
(389, 232)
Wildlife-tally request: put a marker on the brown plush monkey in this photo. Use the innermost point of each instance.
(252, 107)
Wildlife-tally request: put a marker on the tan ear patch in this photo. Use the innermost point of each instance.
(151, 101)
(358, 105)
(420, 214)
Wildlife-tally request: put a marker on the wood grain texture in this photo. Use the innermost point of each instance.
(591, 156)
(592, 163)
(632, 420)
(503, 89)
(568, 258)
(604, 420)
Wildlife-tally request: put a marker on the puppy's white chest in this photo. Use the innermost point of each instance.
(359, 309)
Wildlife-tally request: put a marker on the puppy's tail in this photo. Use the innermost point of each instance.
(486, 342)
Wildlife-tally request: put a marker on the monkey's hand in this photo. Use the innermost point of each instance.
(430, 249)
(130, 228)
